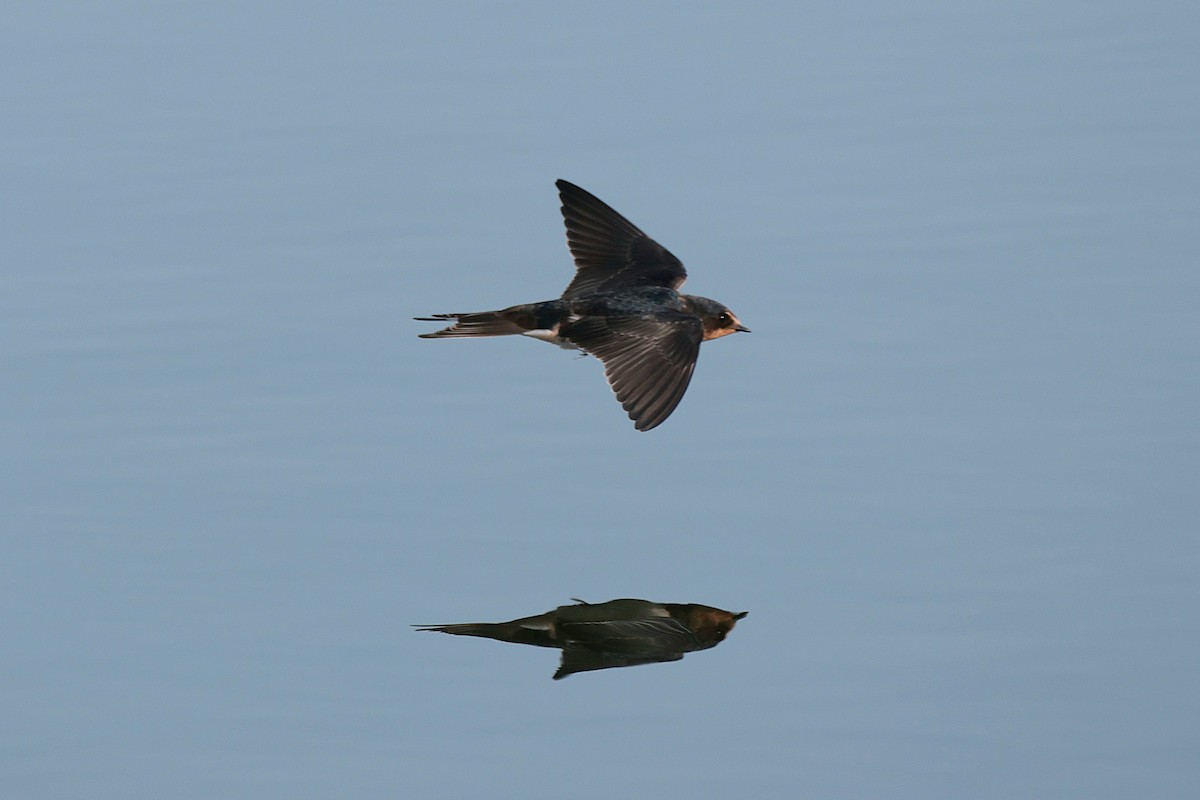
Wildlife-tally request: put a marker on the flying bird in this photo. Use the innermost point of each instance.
(619, 633)
(623, 306)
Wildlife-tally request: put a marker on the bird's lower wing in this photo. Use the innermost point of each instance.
(585, 659)
(648, 359)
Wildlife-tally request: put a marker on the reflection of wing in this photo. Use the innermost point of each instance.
(648, 359)
(650, 636)
(610, 252)
(584, 659)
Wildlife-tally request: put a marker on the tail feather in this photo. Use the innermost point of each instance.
(486, 629)
(530, 630)
(483, 323)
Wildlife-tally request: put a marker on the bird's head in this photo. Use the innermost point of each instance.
(711, 625)
(718, 320)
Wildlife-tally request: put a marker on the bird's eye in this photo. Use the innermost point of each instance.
(724, 318)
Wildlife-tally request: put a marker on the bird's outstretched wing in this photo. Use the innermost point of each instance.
(611, 252)
(648, 359)
(646, 636)
(585, 659)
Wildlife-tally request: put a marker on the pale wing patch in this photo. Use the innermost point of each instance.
(551, 335)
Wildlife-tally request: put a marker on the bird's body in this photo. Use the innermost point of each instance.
(618, 633)
(623, 307)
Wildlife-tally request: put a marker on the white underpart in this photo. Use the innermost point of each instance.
(551, 335)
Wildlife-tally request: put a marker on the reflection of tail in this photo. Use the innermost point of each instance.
(531, 630)
(483, 323)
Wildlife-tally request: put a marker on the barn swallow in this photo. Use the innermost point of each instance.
(619, 633)
(622, 307)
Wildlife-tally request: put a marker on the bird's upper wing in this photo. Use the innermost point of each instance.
(610, 252)
(646, 636)
(648, 359)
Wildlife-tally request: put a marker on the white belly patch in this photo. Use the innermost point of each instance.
(551, 335)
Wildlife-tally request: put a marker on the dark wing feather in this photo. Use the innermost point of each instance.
(584, 659)
(649, 635)
(610, 252)
(648, 360)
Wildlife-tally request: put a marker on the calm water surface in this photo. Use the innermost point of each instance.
(951, 474)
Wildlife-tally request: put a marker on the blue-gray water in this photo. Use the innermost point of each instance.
(952, 474)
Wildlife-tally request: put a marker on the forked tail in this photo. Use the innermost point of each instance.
(531, 630)
(483, 323)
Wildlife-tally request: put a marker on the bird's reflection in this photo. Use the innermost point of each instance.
(619, 633)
